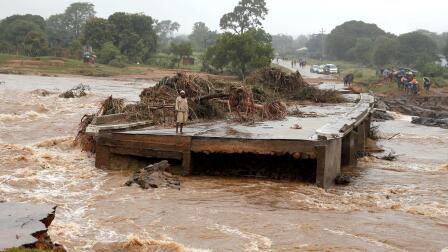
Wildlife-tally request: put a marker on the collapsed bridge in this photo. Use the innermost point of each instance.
(313, 151)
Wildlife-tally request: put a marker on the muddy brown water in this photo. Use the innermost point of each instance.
(390, 206)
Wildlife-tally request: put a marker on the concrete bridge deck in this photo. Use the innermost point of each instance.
(331, 139)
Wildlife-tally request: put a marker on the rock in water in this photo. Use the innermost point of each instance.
(76, 92)
(381, 116)
(342, 180)
(432, 122)
(155, 176)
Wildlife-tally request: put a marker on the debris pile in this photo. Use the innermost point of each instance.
(155, 176)
(76, 92)
(315, 94)
(275, 110)
(277, 80)
(111, 106)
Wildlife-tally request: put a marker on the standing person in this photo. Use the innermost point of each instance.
(427, 84)
(403, 82)
(413, 86)
(181, 111)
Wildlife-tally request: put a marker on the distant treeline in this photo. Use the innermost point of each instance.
(136, 38)
(241, 46)
(367, 44)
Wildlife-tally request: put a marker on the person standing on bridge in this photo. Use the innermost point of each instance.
(181, 111)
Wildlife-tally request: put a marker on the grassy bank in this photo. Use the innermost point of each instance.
(12, 64)
(23, 250)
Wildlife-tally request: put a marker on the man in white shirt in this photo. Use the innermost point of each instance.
(181, 111)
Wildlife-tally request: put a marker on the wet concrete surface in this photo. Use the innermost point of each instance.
(19, 221)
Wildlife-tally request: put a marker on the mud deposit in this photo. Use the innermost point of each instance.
(428, 110)
(389, 206)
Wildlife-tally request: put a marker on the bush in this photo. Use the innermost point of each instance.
(433, 70)
(119, 61)
(162, 60)
(358, 74)
(108, 53)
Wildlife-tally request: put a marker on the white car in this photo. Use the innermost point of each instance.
(314, 69)
(331, 69)
(321, 69)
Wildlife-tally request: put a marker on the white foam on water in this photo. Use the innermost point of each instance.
(256, 242)
(365, 239)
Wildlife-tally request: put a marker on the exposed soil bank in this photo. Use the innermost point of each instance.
(428, 110)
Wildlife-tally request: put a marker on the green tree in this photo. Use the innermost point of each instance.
(181, 50)
(445, 50)
(344, 37)
(35, 44)
(384, 51)
(415, 48)
(361, 51)
(166, 28)
(202, 37)
(283, 44)
(108, 53)
(57, 31)
(316, 45)
(97, 31)
(240, 53)
(134, 35)
(16, 28)
(76, 16)
(76, 48)
(300, 41)
(248, 14)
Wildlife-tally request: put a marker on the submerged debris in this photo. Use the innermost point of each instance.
(41, 92)
(155, 176)
(374, 133)
(76, 92)
(390, 157)
(342, 180)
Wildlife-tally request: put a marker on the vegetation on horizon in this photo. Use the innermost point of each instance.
(125, 38)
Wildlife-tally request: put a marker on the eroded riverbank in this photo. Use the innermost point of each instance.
(39, 164)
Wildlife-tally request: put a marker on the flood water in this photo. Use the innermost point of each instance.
(389, 206)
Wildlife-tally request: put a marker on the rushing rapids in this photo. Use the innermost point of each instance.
(40, 164)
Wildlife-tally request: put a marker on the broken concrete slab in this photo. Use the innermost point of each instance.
(26, 225)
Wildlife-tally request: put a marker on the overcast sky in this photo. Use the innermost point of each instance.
(285, 16)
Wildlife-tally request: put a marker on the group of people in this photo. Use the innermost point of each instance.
(301, 62)
(408, 82)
